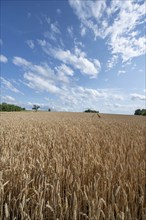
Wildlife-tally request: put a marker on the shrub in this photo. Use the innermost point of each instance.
(91, 111)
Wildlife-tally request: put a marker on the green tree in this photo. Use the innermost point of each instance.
(137, 112)
(143, 112)
(140, 112)
(35, 107)
(10, 107)
(91, 111)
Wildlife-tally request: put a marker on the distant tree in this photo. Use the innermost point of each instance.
(35, 107)
(140, 112)
(143, 112)
(49, 110)
(91, 111)
(137, 112)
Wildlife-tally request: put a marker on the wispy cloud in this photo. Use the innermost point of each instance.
(40, 83)
(112, 62)
(8, 99)
(117, 22)
(70, 31)
(79, 97)
(136, 96)
(42, 77)
(63, 73)
(77, 60)
(8, 85)
(42, 43)
(54, 31)
(56, 81)
(30, 43)
(55, 28)
(83, 30)
(117, 97)
(3, 59)
(27, 66)
(120, 72)
(19, 61)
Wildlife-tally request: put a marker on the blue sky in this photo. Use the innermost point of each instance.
(73, 55)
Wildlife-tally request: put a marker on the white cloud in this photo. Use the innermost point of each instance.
(55, 28)
(67, 70)
(112, 62)
(136, 96)
(133, 66)
(78, 97)
(79, 52)
(116, 105)
(3, 59)
(43, 70)
(124, 108)
(128, 42)
(117, 22)
(18, 61)
(89, 12)
(47, 19)
(117, 97)
(128, 47)
(8, 98)
(8, 85)
(63, 73)
(42, 43)
(53, 32)
(120, 72)
(42, 77)
(77, 60)
(40, 83)
(58, 80)
(83, 30)
(30, 43)
(70, 31)
(78, 43)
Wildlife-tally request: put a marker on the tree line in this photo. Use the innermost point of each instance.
(140, 112)
(91, 111)
(10, 107)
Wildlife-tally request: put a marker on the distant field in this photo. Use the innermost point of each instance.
(72, 166)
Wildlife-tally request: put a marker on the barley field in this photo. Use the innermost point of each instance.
(72, 166)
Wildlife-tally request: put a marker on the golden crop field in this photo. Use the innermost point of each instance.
(72, 166)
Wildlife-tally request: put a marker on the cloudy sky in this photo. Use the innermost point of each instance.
(73, 55)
